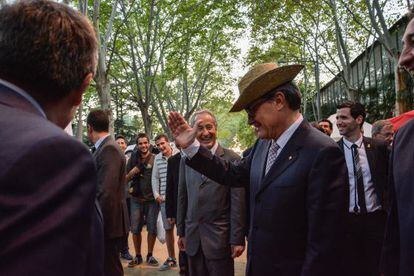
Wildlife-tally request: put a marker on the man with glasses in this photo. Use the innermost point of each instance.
(295, 174)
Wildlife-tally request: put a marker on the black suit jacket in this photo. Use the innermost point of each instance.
(398, 251)
(171, 193)
(49, 223)
(378, 156)
(110, 164)
(297, 210)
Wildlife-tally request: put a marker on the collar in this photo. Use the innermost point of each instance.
(284, 138)
(24, 94)
(100, 140)
(214, 148)
(348, 144)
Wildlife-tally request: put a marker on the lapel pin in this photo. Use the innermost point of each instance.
(369, 145)
(290, 157)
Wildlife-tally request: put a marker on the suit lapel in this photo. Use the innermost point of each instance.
(370, 154)
(341, 144)
(286, 157)
(259, 162)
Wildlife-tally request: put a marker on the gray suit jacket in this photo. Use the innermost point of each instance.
(110, 163)
(209, 214)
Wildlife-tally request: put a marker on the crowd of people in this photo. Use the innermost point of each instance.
(303, 203)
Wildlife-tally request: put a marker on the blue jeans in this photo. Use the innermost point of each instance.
(144, 213)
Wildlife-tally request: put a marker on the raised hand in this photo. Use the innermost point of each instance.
(183, 134)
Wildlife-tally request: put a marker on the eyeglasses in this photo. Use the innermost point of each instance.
(253, 107)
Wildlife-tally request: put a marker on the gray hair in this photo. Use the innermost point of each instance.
(379, 125)
(203, 111)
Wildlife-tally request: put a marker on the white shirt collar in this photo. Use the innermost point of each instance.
(24, 94)
(100, 140)
(284, 138)
(348, 144)
(214, 148)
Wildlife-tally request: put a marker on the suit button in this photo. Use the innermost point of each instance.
(255, 227)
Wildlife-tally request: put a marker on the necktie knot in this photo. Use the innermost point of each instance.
(93, 149)
(354, 146)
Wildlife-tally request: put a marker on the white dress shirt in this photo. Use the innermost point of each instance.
(371, 200)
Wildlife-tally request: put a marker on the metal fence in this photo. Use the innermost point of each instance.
(372, 74)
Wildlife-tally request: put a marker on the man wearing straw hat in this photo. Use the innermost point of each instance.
(296, 175)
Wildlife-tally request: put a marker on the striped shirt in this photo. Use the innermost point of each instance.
(159, 175)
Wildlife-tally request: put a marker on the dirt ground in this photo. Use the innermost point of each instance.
(160, 253)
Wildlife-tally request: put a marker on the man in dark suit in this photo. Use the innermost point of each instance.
(171, 196)
(367, 162)
(297, 204)
(398, 251)
(210, 217)
(49, 223)
(110, 165)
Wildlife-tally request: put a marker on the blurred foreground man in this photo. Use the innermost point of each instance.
(367, 162)
(110, 165)
(49, 223)
(297, 203)
(211, 218)
(398, 251)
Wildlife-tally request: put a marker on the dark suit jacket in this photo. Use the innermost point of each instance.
(297, 210)
(208, 214)
(171, 193)
(49, 223)
(110, 164)
(378, 156)
(398, 251)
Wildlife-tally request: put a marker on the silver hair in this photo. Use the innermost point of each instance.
(202, 111)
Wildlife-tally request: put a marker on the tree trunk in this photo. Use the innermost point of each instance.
(401, 102)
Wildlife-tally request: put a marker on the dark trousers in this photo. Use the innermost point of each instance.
(124, 244)
(112, 264)
(363, 244)
(183, 262)
(198, 265)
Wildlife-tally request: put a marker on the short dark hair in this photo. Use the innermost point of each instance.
(356, 109)
(291, 92)
(98, 119)
(143, 135)
(162, 135)
(46, 47)
(120, 136)
(326, 121)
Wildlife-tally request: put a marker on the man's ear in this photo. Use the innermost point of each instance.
(359, 119)
(279, 100)
(77, 94)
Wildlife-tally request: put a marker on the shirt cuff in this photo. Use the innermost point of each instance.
(191, 150)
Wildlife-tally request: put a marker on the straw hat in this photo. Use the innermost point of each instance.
(261, 79)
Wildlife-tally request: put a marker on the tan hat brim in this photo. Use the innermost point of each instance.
(266, 83)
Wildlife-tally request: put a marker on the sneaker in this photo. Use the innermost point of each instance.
(170, 262)
(126, 256)
(152, 261)
(136, 261)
